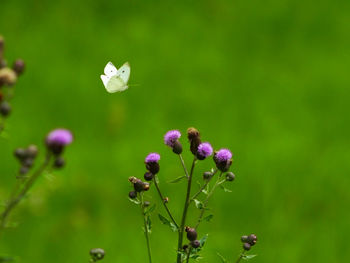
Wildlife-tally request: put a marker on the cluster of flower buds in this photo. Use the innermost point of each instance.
(192, 237)
(249, 241)
(8, 77)
(139, 186)
(56, 141)
(26, 157)
(97, 254)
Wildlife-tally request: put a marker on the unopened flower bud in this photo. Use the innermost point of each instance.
(132, 194)
(59, 162)
(246, 246)
(20, 154)
(194, 138)
(230, 176)
(177, 148)
(252, 239)
(244, 239)
(195, 243)
(28, 162)
(32, 151)
(5, 108)
(191, 233)
(185, 247)
(7, 77)
(138, 185)
(24, 170)
(148, 176)
(19, 66)
(97, 254)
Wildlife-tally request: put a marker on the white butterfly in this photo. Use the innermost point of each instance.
(116, 80)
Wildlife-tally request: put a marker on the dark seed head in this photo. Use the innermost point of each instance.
(230, 176)
(195, 244)
(132, 194)
(59, 162)
(148, 176)
(246, 246)
(207, 175)
(177, 147)
(5, 108)
(191, 233)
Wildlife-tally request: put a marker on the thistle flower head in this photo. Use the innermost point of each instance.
(57, 139)
(223, 155)
(171, 137)
(59, 136)
(204, 150)
(152, 158)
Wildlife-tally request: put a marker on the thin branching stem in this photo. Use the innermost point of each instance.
(240, 256)
(205, 203)
(146, 228)
(163, 201)
(17, 199)
(204, 185)
(183, 165)
(184, 214)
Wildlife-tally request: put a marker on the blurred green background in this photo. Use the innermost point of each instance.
(267, 79)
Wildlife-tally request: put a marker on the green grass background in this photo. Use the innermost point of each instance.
(267, 79)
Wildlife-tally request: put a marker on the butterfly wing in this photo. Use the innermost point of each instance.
(110, 70)
(116, 84)
(105, 80)
(124, 72)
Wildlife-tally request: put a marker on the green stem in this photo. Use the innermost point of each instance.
(240, 256)
(203, 186)
(188, 254)
(183, 165)
(217, 183)
(145, 225)
(184, 214)
(15, 201)
(163, 201)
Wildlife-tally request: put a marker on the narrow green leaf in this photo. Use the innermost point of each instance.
(198, 204)
(165, 221)
(247, 257)
(135, 201)
(225, 189)
(150, 209)
(177, 179)
(203, 240)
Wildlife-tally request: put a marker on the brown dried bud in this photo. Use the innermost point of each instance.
(7, 77)
(166, 200)
(18, 66)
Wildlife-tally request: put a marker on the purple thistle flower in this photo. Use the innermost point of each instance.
(152, 164)
(223, 155)
(171, 137)
(223, 159)
(57, 139)
(204, 150)
(60, 137)
(152, 158)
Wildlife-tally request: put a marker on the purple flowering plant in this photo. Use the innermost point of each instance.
(189, 247)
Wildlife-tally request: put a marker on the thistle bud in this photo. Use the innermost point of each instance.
(59, 162)
(244, 239)
(32, 151)
(21, 154)
(5, 108)
(152, 164)
(204, 150)
(23, 170)
(177, 148)
(18, 66)
(195, 243)
(138, 185)
(145, 186)
(148, 176)
(57, 139)
(132, 194)
(230, 176)
(191, 233)
(246, 246)
(171, 138)
(252, 239)
(194, 138)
